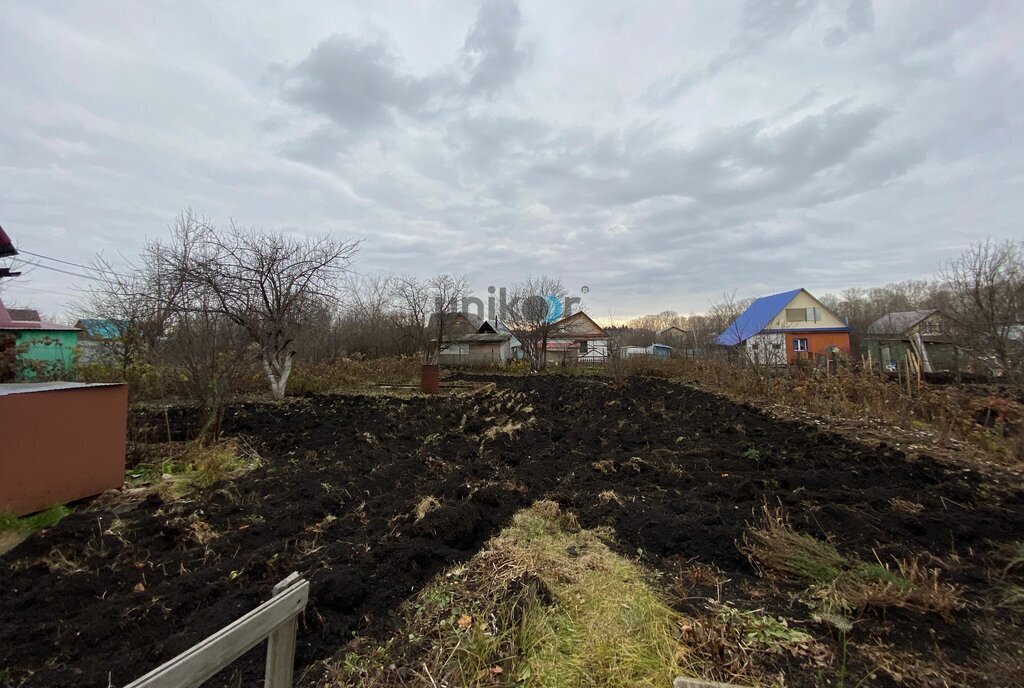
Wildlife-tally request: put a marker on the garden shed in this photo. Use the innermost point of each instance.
(59, 441)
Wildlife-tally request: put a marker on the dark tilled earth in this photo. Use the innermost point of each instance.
(102, 598)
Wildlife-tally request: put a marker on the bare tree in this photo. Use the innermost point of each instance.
(369, 313)
(136, 302)
(445, 293)
(412, 305)
(985, 301)
(527, 315)
(267, 283)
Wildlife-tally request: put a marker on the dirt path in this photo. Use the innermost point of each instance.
(676, 472)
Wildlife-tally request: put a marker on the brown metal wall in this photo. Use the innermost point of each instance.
(57, 446)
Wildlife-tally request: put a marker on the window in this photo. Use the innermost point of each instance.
(755, 346)
(799, 345)
(803, 314)
(584, 346)
(777, 347)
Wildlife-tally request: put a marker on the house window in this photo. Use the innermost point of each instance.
(755, 346)
(803, 314)
(584, 346)
(777, 347)
(799, 345)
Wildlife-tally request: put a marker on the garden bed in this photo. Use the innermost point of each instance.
(678, 476)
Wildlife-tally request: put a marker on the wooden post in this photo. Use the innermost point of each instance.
(281, 645)
(201, 661)
(683, 682)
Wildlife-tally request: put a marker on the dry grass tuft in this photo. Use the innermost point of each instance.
(610, 497)
(842, 584)
(509, 428)
(425, 506)
(910, 586)
(774, 547)
(905, 505)
(734, 644)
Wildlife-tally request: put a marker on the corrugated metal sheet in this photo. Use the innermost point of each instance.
(61, 444)
(755, 318)
(29, 387)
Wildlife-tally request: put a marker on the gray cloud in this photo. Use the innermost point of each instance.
(357, 85)
(860, 18)
(662, 156)
(760, 24)
(492, 55)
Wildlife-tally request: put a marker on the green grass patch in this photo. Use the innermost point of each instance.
(33, 522)
(195, 467)
(14, 529)
(544, 604)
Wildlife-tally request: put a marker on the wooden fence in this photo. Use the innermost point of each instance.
(276, 621)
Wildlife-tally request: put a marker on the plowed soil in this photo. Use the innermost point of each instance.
(102, 597)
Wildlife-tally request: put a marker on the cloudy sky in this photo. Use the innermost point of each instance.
(660, 153)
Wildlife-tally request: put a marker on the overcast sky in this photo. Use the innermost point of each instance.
(659, 153)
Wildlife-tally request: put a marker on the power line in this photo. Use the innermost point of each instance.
(77, 265)
(14, 286)
(64, 272)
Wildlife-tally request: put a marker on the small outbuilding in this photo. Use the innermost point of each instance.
(31, 346)
(470, 340)
(59, 442)
(923, 334)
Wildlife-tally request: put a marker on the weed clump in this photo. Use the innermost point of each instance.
(843, 584)
(197, 466)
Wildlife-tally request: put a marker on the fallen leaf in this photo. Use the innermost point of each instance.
(497, 670)
(139, 587)
(465, 621)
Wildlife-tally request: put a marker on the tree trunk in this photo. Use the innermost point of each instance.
(277, 372)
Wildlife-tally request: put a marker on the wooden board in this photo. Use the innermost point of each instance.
(203, 660)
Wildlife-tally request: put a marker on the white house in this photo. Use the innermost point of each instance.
(577, 334)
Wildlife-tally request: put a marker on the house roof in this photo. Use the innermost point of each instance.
(558, 328)
(899, 322)
(6, 245)
(755, 318)
(24, 314)
(453, 316)
(478, 337)
(26, 319)
(102, 328)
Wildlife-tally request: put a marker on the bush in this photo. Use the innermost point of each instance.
(346, 373)
(146, 382)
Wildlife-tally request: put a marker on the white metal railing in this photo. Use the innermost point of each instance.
(276, 621)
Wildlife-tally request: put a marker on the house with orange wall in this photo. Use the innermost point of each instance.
(784, 328)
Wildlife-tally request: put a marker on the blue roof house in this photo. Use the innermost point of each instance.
(101, 339)
(785, 328)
